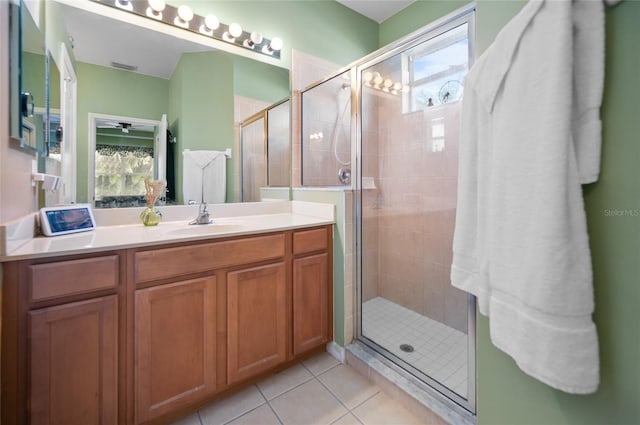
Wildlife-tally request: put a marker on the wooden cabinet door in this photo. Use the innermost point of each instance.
(175, 346)
(74, 363)
(310, 303)
(256, 320)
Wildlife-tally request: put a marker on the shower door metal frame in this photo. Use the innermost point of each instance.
(459, 17)
(260, 115)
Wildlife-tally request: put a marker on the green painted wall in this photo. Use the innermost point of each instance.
(204, 118)
(258, 80)
(416, 16)
(505, 394)
(54, 87)
(321, 28)
(33, 77)
(111, 91)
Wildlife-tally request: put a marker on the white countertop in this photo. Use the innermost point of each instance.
(116, 231)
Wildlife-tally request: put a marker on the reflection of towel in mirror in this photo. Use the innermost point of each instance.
(210, 164)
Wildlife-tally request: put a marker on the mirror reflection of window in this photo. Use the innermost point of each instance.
(124, 158)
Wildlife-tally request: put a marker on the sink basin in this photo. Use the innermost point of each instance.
(205, 229)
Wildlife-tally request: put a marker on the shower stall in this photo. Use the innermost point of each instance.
(326, 132)
(403, 131)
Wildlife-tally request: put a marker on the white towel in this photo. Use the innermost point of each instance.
(530, 136)
(210, 164)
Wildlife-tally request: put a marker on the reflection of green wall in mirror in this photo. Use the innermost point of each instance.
(33, 71)
(109, 91)
(325, 29)
(203, 117)
(54, 86)
(204, 122)
(258, 80)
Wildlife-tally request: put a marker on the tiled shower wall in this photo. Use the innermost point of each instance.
(409, 219)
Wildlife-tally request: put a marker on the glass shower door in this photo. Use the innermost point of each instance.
(409, 116)
(253, 148)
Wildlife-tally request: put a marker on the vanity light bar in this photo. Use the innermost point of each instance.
(387, 85)
(209, 26)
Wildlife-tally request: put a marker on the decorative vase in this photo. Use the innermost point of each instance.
(151, 216)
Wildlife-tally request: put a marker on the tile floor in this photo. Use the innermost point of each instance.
(440, 351)
(319, 390)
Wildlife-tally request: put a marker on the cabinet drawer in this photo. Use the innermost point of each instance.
(171, 262)
(54, 280)
(309, 241)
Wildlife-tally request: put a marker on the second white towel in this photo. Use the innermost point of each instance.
(211, 165)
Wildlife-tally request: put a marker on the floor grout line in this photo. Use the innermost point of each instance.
(269, 404)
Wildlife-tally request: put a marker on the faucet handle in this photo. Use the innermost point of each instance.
(203, 215)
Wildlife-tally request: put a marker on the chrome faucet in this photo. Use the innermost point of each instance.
(203, 215)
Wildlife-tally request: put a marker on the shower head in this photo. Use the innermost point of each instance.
(345, 86)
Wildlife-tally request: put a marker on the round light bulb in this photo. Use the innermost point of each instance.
(276, 43)
(256, 37)
(235, 30)
(397, 86)
(157, 5)
(185, 13)
(211, 22)
(377, 79)
(388, 83)
(368, 76)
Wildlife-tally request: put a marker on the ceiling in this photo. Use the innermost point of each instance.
(101, 40)
(377, 10)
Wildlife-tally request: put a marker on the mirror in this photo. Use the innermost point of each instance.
(30, 101)
(266, 150)
(125, 70)
(127, 151)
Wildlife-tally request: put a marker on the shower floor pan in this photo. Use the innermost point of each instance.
(437, 350)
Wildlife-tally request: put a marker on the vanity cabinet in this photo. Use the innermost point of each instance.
(256, 320)
(146, 335)
(175, 345)
(61, 341)
(311, 290)
(74, 363)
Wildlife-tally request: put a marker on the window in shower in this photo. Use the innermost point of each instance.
(436, 70)
(409, 119)
(326, 132)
